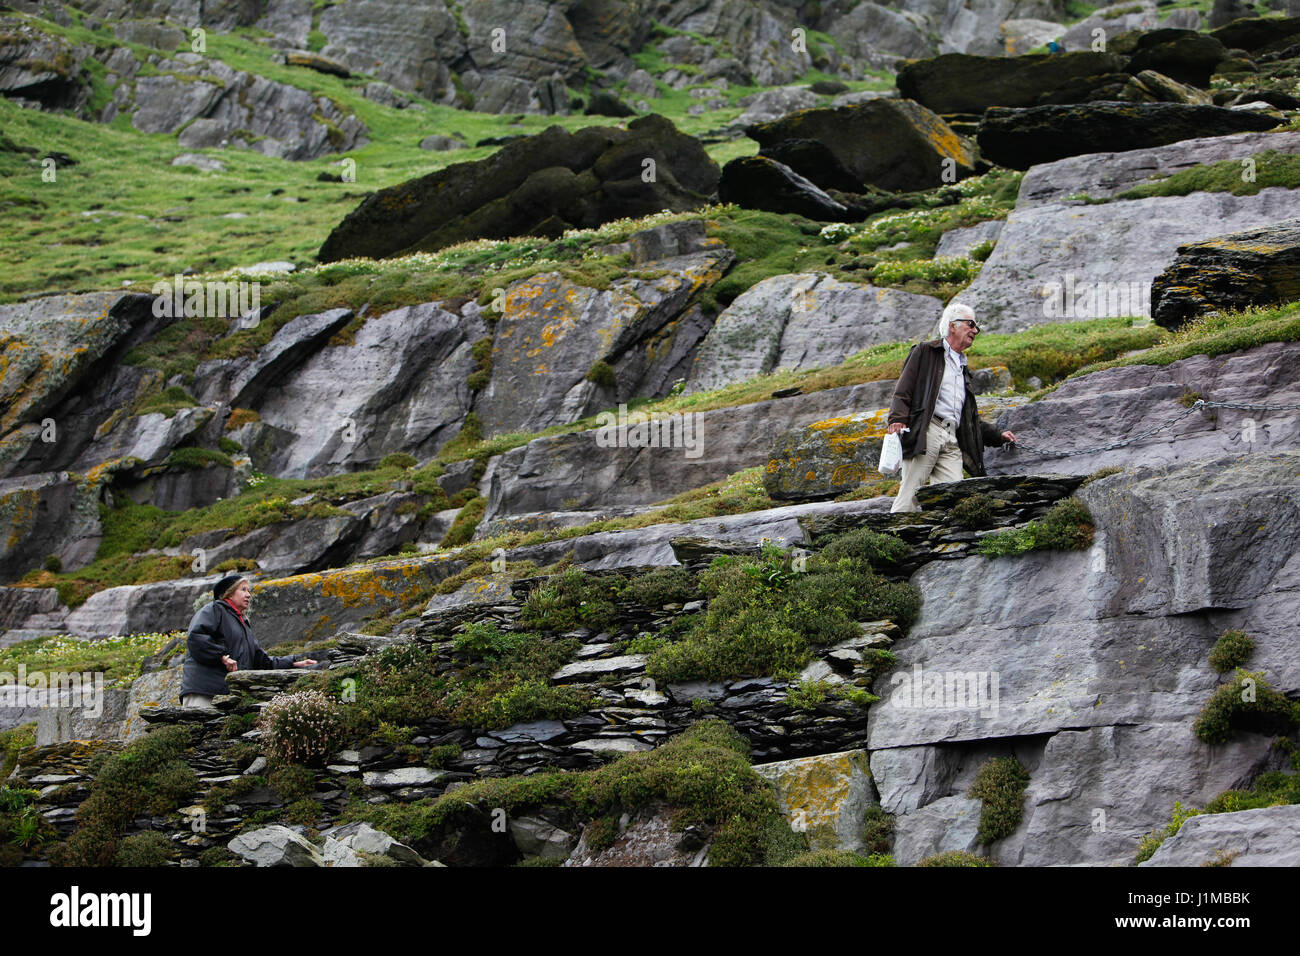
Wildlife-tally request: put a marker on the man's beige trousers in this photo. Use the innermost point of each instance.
(941, 462)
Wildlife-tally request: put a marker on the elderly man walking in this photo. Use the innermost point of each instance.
(934, 401)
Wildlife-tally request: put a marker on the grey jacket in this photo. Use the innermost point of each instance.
(215, 630)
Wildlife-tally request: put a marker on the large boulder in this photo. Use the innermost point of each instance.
(1252, 33)
(826, 458)
(1184, 55)
(893, 144)
(398, 385)
(1255, 267)
(960, 83)
(276, 846)
(49, 345)
(418, 44)
(1021, 138)
(539, 185)
(825, 796)
(611, 468)
(758, 182)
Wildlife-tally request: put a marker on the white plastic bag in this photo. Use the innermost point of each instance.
(891, 454)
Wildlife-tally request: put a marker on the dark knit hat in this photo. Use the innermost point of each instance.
(220, 589)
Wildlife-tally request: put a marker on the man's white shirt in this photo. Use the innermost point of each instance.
(952, 391)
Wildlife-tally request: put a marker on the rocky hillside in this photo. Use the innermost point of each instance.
(560, 460)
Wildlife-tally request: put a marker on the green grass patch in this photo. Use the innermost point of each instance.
(117, 658)
(1210, 336)
(1271, 169)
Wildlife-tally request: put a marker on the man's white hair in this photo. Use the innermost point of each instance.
(954, 312)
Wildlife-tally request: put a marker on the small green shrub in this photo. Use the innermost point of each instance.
(840, 858)
(661, 586)
(148, 778)
(955, 858)
(305, 727)
(878, 830)
(483, 640)
(601, 833)
(441, 754)
(807, 695)
(150, 848)
(1248, 703)
(1000, 784)
(602, 373)
(878, 550)
(304, 811)
(1148, 845)
(571, 599)
(53, 563)
(973, 511)
(292, 781)
(1231, 651)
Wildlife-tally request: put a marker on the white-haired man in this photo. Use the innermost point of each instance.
(933, 400)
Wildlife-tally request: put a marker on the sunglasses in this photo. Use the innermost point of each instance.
(968, 322)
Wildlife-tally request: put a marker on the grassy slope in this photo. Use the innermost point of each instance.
(154, 219)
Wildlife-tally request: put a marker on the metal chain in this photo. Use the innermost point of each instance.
(1198, 405)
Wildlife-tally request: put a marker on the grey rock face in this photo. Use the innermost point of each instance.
(894, 144)
(1112, 665)
(1020, 138)
(620, 467)
(552, 331)
(1269, 836)
(1103, 175)
(767, 105)
(803, 321)
(947, 825)
(759, 182)
(47, 514)
(961, 83)
(1117, 404)
(1063, 261)
(959, 242)
(399, 387)
(276, 846)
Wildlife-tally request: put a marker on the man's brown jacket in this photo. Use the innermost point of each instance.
(913, 405)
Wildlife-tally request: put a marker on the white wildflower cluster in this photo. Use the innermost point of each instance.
(304, 728)
(837, 231)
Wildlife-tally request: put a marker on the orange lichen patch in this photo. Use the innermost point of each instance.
(851, 472)
(810, 476)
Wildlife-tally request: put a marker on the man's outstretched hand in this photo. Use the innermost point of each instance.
(895, 428)
(1009, 437)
